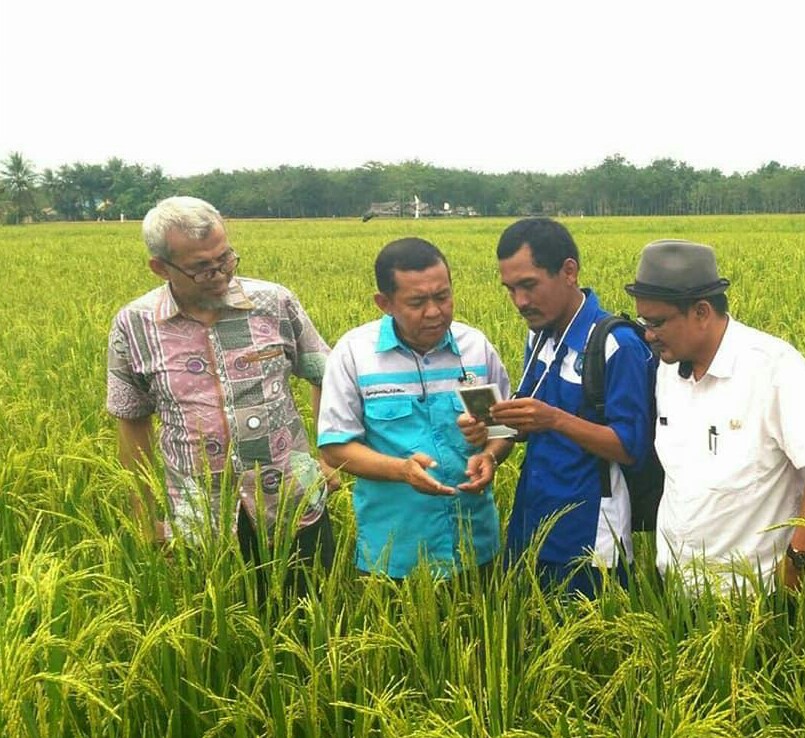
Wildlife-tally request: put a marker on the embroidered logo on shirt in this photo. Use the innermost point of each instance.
(578, 364)
(384, 391)
(736, 424)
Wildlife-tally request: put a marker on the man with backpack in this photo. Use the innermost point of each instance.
(575, 453)
(729, 433)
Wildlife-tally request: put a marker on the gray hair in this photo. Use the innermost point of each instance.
(191, 216)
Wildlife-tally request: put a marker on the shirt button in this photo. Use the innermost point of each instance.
(425, 360)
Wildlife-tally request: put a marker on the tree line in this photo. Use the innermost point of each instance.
(613, 187)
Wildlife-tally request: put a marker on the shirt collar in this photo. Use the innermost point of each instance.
(580, 328)
(388, 338)
(723, 362)
(167, 307)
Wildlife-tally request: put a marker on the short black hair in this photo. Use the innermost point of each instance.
(405, 255)
(719, 303)
(550, 243)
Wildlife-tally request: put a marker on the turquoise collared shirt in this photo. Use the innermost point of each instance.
(379, 392)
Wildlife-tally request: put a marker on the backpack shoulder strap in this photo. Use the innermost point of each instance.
(593, 380)
(593, 371)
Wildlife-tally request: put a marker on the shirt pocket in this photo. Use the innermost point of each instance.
(673, 449)
(391, 426)
(733, 454)
(570, 394)
(720, 457)
(267, 364)
(454, 432)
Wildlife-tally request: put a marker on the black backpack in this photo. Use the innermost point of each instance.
(645, 484)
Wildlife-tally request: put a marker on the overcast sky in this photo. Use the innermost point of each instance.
(492, 86)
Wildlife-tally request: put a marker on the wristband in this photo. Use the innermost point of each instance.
(491, 456)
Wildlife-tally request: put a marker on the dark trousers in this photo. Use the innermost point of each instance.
(315, 538)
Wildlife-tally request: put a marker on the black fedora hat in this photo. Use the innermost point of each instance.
(672, 270)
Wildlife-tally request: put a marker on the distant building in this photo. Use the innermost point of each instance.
(393, 209)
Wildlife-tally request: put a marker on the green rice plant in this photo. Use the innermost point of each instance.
(104, 634)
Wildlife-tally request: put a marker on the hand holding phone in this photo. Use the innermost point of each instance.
(477, 400)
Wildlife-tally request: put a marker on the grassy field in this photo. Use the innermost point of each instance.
(100, 635)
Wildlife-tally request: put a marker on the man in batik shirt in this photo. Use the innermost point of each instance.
(211, 355)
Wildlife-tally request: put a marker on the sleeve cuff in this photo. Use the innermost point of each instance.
(326, 439)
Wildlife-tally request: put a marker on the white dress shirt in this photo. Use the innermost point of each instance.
(733, 448)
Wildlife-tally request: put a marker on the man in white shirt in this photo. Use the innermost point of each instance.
(730, 429)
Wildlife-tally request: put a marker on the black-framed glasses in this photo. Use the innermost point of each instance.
(656, 325)
(652, 324)
(230, 263)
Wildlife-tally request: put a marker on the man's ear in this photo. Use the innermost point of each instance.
(158, 267)
(383, 302)
(570, 270)
(703, 310)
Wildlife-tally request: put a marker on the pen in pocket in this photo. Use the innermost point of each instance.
(712, 440)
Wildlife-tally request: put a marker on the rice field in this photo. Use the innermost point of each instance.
(103, 635)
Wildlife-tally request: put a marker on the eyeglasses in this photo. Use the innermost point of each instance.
(652, 324)
(231, 261)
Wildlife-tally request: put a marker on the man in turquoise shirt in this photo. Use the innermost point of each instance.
(388, 415)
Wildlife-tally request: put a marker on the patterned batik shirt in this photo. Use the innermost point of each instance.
(222, 392)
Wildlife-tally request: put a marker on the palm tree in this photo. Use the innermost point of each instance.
(18, 179)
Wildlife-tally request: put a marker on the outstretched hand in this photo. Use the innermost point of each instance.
(480, 470)
(414, 472)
